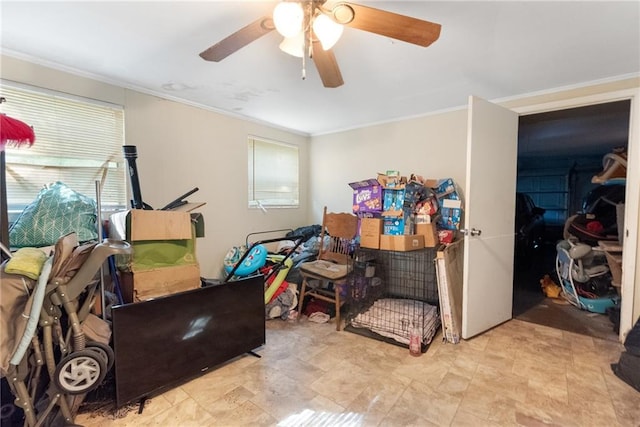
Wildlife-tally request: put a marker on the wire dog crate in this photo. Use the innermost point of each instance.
(390, 293)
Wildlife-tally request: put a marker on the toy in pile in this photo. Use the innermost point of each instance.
(279, 266)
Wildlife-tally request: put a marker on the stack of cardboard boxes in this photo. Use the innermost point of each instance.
(403, 215)
(164, 254)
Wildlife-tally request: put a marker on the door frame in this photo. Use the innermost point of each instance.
(630, 305)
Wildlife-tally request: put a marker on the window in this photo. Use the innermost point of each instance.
(78, 142)
(273, 174)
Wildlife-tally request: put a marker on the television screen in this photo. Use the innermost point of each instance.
(163, 342)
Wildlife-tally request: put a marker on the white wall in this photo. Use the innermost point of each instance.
(432, 146)
(181, 147)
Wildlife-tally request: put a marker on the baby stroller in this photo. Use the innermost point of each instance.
(42, 326)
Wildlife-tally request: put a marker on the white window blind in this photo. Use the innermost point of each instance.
(78, 142)
(273, 174)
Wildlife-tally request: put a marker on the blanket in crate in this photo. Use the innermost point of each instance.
(394, 318)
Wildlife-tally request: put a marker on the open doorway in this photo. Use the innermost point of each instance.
(559, 152)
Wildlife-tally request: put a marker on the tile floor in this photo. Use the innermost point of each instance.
(310, 375)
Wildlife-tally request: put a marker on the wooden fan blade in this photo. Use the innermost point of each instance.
(327, 65)
(389, 24)
(238, 40)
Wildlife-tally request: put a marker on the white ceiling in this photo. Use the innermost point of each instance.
(494, 50)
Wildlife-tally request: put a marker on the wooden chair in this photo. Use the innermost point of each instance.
(334, 260)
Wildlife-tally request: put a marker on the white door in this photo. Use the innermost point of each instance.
(492, 146)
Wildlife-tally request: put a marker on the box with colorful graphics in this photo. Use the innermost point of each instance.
(450, 205)
(367, 196)
(398, 225)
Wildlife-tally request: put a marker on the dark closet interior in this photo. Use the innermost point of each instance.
(558, 154)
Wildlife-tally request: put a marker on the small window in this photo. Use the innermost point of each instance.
(273, 174)
(78, 142)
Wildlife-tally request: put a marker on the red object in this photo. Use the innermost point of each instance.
(283, 287)
(14, 132)
(595, 226)
(445, 236)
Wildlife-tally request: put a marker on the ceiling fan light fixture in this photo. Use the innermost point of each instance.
(343, 13)
(294, 46)
(327, 30)
(288, 18)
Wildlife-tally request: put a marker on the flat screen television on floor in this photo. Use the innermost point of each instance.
(166, 341)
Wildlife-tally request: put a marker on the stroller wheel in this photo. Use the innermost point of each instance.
(105, 352)
(80, 372)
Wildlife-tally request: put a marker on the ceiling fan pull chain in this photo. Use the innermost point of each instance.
(304, 67)
(306, 44)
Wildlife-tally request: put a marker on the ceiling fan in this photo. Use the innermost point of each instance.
(311, 27)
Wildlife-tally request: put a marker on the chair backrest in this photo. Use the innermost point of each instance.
(339, 230)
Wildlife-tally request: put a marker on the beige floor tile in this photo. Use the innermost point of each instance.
(175, 396)
(429, 403)
(586, 382)
(185, 413)
(245, 414)
(542, 409)
(278, 394)
(374, 410)
(594, 413)
(325, 405)
(464, 365)
(406, 413)
(467, 419)
(501, 381)
(625, 400)
(402, 414)
(310, 418)
(454, 384)
(515, 374)
(342, 384)
(481, 400)
(427, 370)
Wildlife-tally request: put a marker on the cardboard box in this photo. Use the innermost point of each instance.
(430, 234)
(404, 243)
(392, 201)
(367, 196)
(370, 226)
(157, 225)
(451, 205)
(391, 179)
(445, 187)
(370, 232)
(449, 269)
(431, 183)
(144, 285)
(398, 226)
(159, 238)
(396, 201)
(413, 192)
(197, 222)
(614, 259)
(371, 242)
